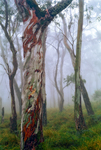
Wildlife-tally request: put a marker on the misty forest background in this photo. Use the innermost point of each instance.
(60, 41)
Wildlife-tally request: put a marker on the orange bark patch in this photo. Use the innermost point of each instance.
(31, 88)
(30, 126)
(30, 95)
(29, 39)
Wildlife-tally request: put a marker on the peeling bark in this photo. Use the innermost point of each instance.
(35, 21)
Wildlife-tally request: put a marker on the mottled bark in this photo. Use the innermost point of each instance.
(35, 21)
(78, 115)
(73, 58)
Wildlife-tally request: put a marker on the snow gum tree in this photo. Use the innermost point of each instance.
(35, 21)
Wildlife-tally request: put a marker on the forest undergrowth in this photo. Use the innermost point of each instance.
(60, 132)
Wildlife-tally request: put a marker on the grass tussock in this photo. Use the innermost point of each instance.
(60, 132)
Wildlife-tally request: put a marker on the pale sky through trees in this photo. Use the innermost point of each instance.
(90, 61)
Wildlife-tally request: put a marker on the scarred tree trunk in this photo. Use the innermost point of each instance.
(78, 115)
(35, 21)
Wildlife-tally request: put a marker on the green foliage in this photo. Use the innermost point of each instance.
(97, 95)
(60, 132)
(8, 141)
(71, 79)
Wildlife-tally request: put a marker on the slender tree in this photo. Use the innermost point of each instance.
(59, 89)
(11, 73)
(44, 108)
(35, 21)
(73, 59)
(78, 114)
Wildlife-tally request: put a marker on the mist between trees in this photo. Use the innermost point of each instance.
(49, 58)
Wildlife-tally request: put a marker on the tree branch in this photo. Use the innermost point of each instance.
(6, 12)
(15, 65)
(53, 11)
(33, 5)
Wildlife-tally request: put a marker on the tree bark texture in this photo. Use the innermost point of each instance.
(86, 98)
(78, 115)
(18, 93)
(35, 21)
(73, 59)
(44, 108)
(13, 119)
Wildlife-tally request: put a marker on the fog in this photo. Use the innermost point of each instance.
(90, 57)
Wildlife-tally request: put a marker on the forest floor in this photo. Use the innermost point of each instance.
(60, 132)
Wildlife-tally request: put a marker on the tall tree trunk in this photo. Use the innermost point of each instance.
(86, 98)
(35, 21)
(11, 74)
(13, 118)
(73, 58)
(18, 93)
(78, 115)
(61, 79)
(44, 108)
(61, 99)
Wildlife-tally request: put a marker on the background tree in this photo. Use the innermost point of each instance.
(73, 59)
(78, 114)
(11, 73)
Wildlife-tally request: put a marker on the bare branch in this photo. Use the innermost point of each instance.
(53, 11)
(6, 12)
(15, 65)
